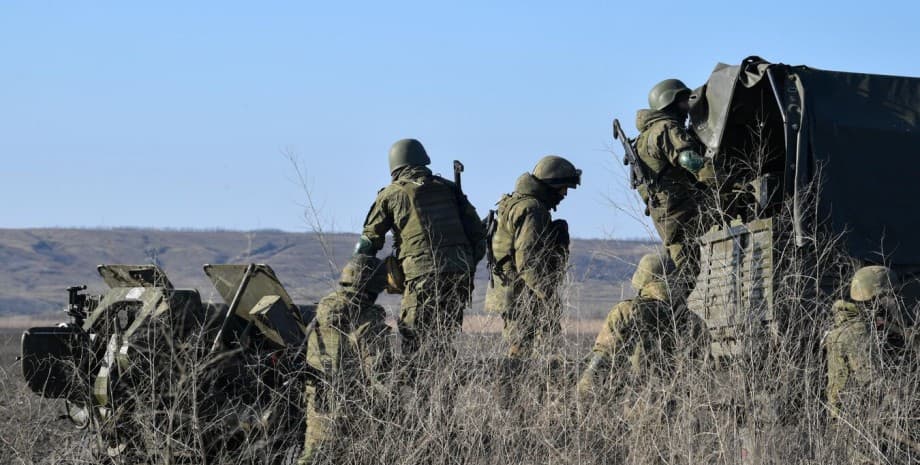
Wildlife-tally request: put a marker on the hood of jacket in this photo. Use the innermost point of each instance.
(530, 186)
(646, 118)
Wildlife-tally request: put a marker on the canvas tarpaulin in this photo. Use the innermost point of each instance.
(859, 137)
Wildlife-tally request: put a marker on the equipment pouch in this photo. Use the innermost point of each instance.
(396, 279)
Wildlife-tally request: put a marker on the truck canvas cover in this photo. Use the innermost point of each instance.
(857, 136)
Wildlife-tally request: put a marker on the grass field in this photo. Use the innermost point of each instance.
(32, 430)
(741, 413)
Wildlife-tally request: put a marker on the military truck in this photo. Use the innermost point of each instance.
(154, 372)
(819, 165)
(813, 180)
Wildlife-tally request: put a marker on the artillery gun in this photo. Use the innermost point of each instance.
(151, 370)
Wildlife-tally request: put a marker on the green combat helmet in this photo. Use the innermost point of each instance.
(557, 172)
(871, 282)
(665, 93)
(653, 267)
(407, 152)
(364, 274)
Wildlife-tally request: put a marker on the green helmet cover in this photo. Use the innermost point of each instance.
(364, 274)
(407, 152)
(557, 172)
(665, 93)
(653, 267)
(872, 281)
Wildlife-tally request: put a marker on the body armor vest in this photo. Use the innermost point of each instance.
(434, 222)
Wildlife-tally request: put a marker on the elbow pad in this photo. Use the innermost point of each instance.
(364, 247)
(691, 161)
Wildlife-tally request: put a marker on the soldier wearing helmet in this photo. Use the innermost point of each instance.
(642, 334)
(869, 321)
(674, 157)
(348, 351)
(438, 238)
(528, 254)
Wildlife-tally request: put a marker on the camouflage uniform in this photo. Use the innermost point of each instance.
(640, 336)
(348, 351)
(530, 253)
(852, 344)
(870, 371)
(675, 209)
(849, 345)
(438, 239)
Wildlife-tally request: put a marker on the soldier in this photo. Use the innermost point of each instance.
(640, 335)
(852, 344)
(528, 258)
(438, 239)
(870, 370)
(348, 351)
(674, 158)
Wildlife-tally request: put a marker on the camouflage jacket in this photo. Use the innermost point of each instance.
(350, 336)
(648, 329)
(530, 248)
(662, 137)
(850, 347)
(435, 228)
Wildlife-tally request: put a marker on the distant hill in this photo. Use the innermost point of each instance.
(36, 265)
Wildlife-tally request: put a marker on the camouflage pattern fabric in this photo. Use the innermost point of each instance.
(849, 353)
(641, 335)
(349, 350)
(676, 215)
(431, 315)
(435, 228)
(871, 393)
(530, 252)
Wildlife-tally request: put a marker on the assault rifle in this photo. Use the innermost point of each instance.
(639, 173)
(491, 225)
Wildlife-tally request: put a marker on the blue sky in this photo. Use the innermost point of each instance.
(177, 114)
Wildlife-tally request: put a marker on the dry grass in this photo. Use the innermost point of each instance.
(763, 406)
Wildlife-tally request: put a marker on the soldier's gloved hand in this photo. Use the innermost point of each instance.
(560, 232)
(707, 174)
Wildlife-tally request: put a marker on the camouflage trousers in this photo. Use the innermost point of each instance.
(431, 315)
(679, 228)
(339, 414)
(531, 326)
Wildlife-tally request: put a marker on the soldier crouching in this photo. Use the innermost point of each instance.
(870, 372)
(641, 336)
(349, 352)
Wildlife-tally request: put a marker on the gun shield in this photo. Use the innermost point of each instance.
(54, 361)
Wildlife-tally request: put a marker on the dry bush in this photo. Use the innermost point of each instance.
(764, 405)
